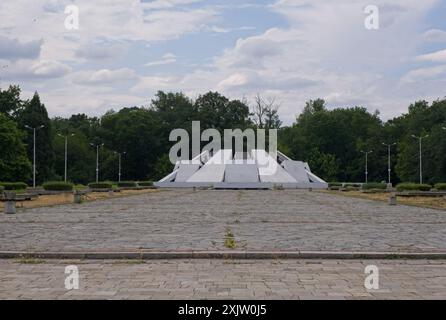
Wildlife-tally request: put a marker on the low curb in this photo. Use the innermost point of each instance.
(230, 255)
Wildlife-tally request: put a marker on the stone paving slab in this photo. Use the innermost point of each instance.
(224, 279)
(186, 220)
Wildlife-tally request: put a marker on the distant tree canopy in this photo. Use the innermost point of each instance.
(330, 140)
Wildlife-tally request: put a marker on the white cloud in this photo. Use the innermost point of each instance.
(323, 51)
(423, 74)
(43, 69)
(438, 56)
(168, 58)
(435, 35)
(163, 4)
(104, 76)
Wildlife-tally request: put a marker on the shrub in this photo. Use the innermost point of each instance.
(335, 184)
(100, 185)
(127, 184)
(58, 186)
(413, 187)
(440, 186)
(350, 184)
(374, 185)
(14, 185)
(2, 188)
(145, 183)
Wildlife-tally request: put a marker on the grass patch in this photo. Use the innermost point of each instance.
(230, 240)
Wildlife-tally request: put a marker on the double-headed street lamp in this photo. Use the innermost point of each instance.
(389, 169)
(366, 164)
(97, 159)
(420, 138)
(66, 151)
(34, 150)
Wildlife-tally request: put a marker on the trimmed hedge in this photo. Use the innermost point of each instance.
(58, 186)
(374, 185)
(100, 185)
(127, 184)
(413, 187)
(440, 186)
(352, 184)
(14, 185)
(2, 188)
(145, 183)
(335, 184)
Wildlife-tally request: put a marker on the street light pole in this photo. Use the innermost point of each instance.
(34, 150)
(97, 159)
(420, 138)
(389, 169)
(120, 166)
(66, 153)
(366, 165)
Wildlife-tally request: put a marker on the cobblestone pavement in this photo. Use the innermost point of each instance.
(200, 220)
(224, 279)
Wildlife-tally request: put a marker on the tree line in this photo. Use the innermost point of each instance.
(330, 140)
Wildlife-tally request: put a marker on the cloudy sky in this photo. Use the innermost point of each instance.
(294, 50)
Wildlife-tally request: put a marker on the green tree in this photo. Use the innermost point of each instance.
(14, 164)
(10, 101)
(34, 115)
(218, 112)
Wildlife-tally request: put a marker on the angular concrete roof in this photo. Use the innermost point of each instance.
(254, 170)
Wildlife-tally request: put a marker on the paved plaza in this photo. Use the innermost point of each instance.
(202, 220)
(171, 220)
(222, 279)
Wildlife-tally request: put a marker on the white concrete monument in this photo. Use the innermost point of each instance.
(254, 170)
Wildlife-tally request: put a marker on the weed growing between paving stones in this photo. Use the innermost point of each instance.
(230, 240)
(26, 260)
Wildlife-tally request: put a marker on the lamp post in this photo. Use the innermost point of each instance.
(97, 159)
(389, 169)
(420, 138)
(34, 150)
(66, 152)
(366, 164)
(120, 167)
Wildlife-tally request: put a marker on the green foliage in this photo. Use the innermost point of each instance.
(10, 101)
(335, 184)
(127, 184)
(34, 114)
(58, 186)
(407, 186)
(14, 163)
(14, 185)
(100, 185)
(440, 186)
(330, 140)
(374, 185)
(145, 183)
(2, 188)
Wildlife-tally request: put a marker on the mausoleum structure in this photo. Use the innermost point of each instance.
(242, 170)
